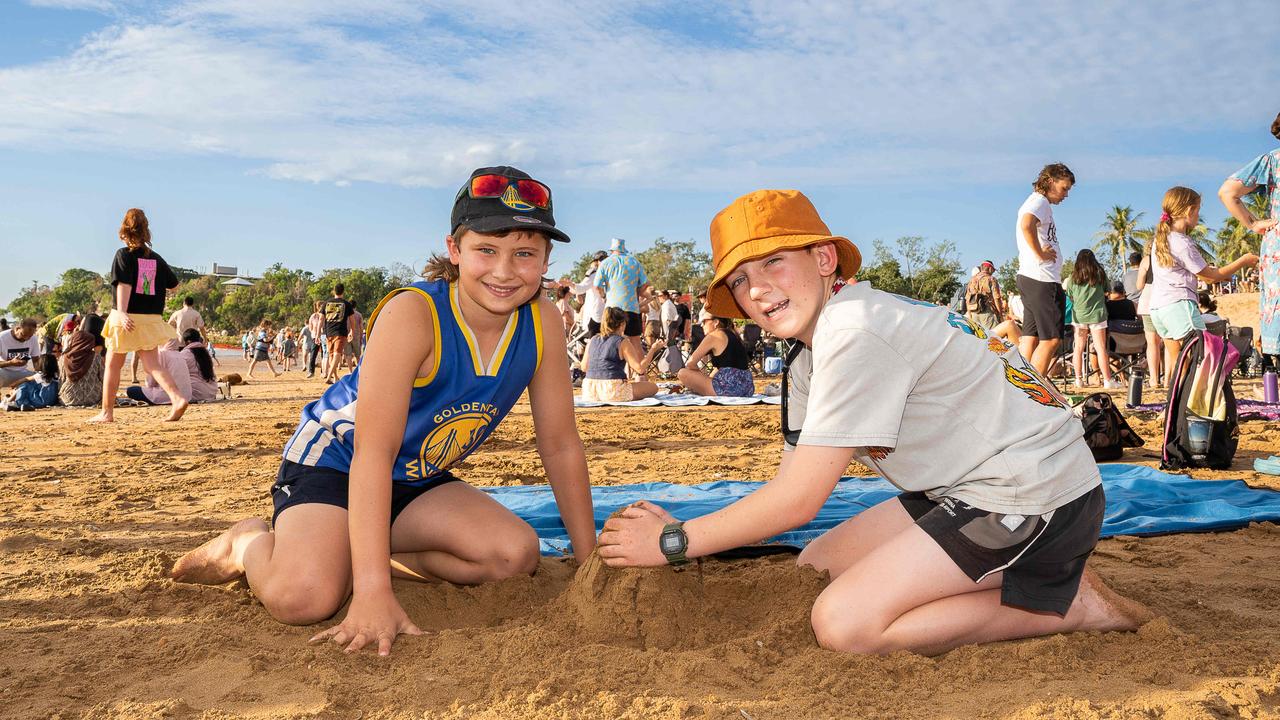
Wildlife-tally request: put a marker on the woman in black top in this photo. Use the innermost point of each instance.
(727, 354)
(136, 323)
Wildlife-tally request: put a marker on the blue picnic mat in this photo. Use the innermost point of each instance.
(1140, 501)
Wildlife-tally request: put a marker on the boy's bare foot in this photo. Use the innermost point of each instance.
(102, 417)
(1106, 610)
(214, 562)
(179, 407)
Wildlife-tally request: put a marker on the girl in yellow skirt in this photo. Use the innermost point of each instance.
(136, 323)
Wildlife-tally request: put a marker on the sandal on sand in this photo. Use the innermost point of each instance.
(1268, 466)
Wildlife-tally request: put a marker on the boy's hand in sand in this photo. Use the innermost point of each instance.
(371, 618)
(630, 537)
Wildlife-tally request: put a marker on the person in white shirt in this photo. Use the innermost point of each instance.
(1040, 267)
(670, 317)
(592, 311)
(187, 317)
(18, 347)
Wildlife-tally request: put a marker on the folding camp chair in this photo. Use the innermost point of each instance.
(752, 340)
(1127, 344)
(1241, 338)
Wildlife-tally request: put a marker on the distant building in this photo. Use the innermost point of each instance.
(225, 270)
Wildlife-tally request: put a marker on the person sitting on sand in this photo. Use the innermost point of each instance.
(1002, 502)
(446, 360)
(728, 356)
(192, 370)
(607, 359)
(81, 364)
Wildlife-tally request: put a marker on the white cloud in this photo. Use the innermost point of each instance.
(98, 5)
(417, 93)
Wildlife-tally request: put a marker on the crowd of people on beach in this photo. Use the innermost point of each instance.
(1001, 501)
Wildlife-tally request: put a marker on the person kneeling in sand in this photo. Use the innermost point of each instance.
(1002, 502)
(724, 349)
(365, 492)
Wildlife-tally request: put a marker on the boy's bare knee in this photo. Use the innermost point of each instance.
(516, 555)
(835, 629)
(301, 605)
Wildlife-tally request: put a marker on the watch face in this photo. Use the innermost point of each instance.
(671, 543)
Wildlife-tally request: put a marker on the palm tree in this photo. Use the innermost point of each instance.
(1117, 238)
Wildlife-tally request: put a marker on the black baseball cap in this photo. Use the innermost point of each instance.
(497, 214)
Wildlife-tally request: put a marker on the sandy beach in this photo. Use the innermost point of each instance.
(93, 517)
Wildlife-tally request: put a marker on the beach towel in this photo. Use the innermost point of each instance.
(1140, 501)
(681, 400)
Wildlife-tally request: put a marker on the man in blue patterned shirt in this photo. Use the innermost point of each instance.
(622, 281)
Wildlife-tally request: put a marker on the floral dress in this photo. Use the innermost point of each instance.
(1264, 172)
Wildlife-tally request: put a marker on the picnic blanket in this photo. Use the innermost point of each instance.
(1140, 501)
(681, 400)
(1247, 409)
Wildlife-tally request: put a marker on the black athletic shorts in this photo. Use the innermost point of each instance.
(1044, 308)
(635, 325)
(1042, 560)
(298, 484)
(593, 328)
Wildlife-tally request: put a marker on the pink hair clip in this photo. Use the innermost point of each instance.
(1164, 217)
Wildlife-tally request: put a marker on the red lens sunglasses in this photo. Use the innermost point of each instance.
(490, 186)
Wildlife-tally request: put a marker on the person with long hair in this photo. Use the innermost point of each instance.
(366, 491)
(608, 357)
(136, 323)
(1262, 176)
(192, 369)
(1087, 288)
(1175, 263)
(82, 364)
(722, 346)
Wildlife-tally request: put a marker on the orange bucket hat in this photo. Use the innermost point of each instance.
(762, 223)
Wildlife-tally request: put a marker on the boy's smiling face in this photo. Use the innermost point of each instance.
(785, 292)
(500, 272)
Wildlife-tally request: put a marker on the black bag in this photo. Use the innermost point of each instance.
(1106, 432)
(1224, 435)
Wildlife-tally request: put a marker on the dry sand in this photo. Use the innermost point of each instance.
(93, 517)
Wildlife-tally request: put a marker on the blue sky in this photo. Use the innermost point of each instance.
(334, 133)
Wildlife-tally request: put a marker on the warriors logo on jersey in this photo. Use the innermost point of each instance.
(459, 432)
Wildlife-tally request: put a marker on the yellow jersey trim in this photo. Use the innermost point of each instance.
(536, 311)
(435, 327)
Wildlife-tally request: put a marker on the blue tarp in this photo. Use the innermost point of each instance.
(1140, 501)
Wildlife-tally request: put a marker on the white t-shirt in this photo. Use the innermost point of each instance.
(592, 303)
(1028, 262)
(669, 312)
(966, 416)
(186, 318)
(11, 347)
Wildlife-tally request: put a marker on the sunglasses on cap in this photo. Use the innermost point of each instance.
(791, 436)
(531, 192)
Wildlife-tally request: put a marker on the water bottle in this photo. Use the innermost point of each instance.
(1269, 387)
(1135, 388)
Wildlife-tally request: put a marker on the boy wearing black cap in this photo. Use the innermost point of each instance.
(366, 492)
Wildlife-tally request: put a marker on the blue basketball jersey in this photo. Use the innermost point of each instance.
(451, 411)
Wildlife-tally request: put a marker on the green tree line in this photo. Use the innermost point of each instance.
(284, 295)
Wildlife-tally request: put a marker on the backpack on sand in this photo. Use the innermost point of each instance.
(1201, 403)
(1106, 431)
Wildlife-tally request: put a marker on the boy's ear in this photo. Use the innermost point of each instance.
(452, 247)
(827, 257)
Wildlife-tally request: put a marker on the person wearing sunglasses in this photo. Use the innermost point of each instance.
(365, 491)
(1002, 501)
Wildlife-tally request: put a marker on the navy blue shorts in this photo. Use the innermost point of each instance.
(298, 484)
